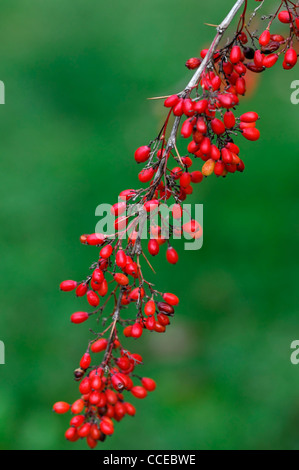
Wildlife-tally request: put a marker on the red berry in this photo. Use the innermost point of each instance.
(85, 361)
(99, 345)
(251, 134)
(93, 298)
(153, 247)
(79, 317)
(81, 289)
(67, 286)
(172, 256)
(170, 299)
(285, 16)
(265, 38)
(148, 384)
(121, 279)
(171, 101)
(61, 407)
(139, 392)
(193, 63)
(142, 154)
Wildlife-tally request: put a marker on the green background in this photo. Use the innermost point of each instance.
(77, 75)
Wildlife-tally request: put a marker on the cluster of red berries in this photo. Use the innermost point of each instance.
(116, 280)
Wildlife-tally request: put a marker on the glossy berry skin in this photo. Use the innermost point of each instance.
(68, 286)
(79, 317)
(171, 299)
(142, 154)
(172, 256)
(99, 345)
(153, 247)
(61, 407)
(139, 392)
(92, 298)
(148, 384)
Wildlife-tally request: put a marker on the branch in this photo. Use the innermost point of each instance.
(171, 143)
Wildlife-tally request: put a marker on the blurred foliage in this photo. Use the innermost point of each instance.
(77, 75)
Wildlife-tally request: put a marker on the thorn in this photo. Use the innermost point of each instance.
(149, 263)
(213, 25)
(159, 97)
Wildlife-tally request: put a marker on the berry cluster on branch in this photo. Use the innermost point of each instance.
(108, 372)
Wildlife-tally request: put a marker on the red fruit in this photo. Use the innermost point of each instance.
(251, 116)
(163, 319)
(219, 168)
(127, 331)
(149, 206)
(137, 293)
(137, 330)
(205, 146)
(96, 382)
(106, 427)
(130, 409)
(117, 382)
(235, 55)
(84, 430)
(196, 177)
(106, 251)
(178, 108)
(94, 397)
(121, 259)
(77, 421)
(79, 317)
(177, 211)
(187, 128)
(188, 107)
(150, 308)
(99, 345)
(159, 328)
(226, 156)
(71, 434)
(84, 386)
(98, 276)
(172, 256)
(153, 247)
(77, 406)
(121, 279)
(146, 175)
(81, 289)
(251, 134)
(217, 126)
(68, 286)
(118, 208)
(150, 323)
(139, 392)
(200, 106)
(171, 299)
(229, 120)
(193, 63)
(258, 58)
(92, 443)
(95, 433)
(85, 361)
(142, 154)
(102, 289)
(171, 101)
(92, 298)
(215, 152)
(127, 194)
(95, 239)
(265, 38)
(241, 86)
(61, 407)
(148, 384)
(270, 60)
(185, 180)
(290, 58)
(285, 16)
(165, 308)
